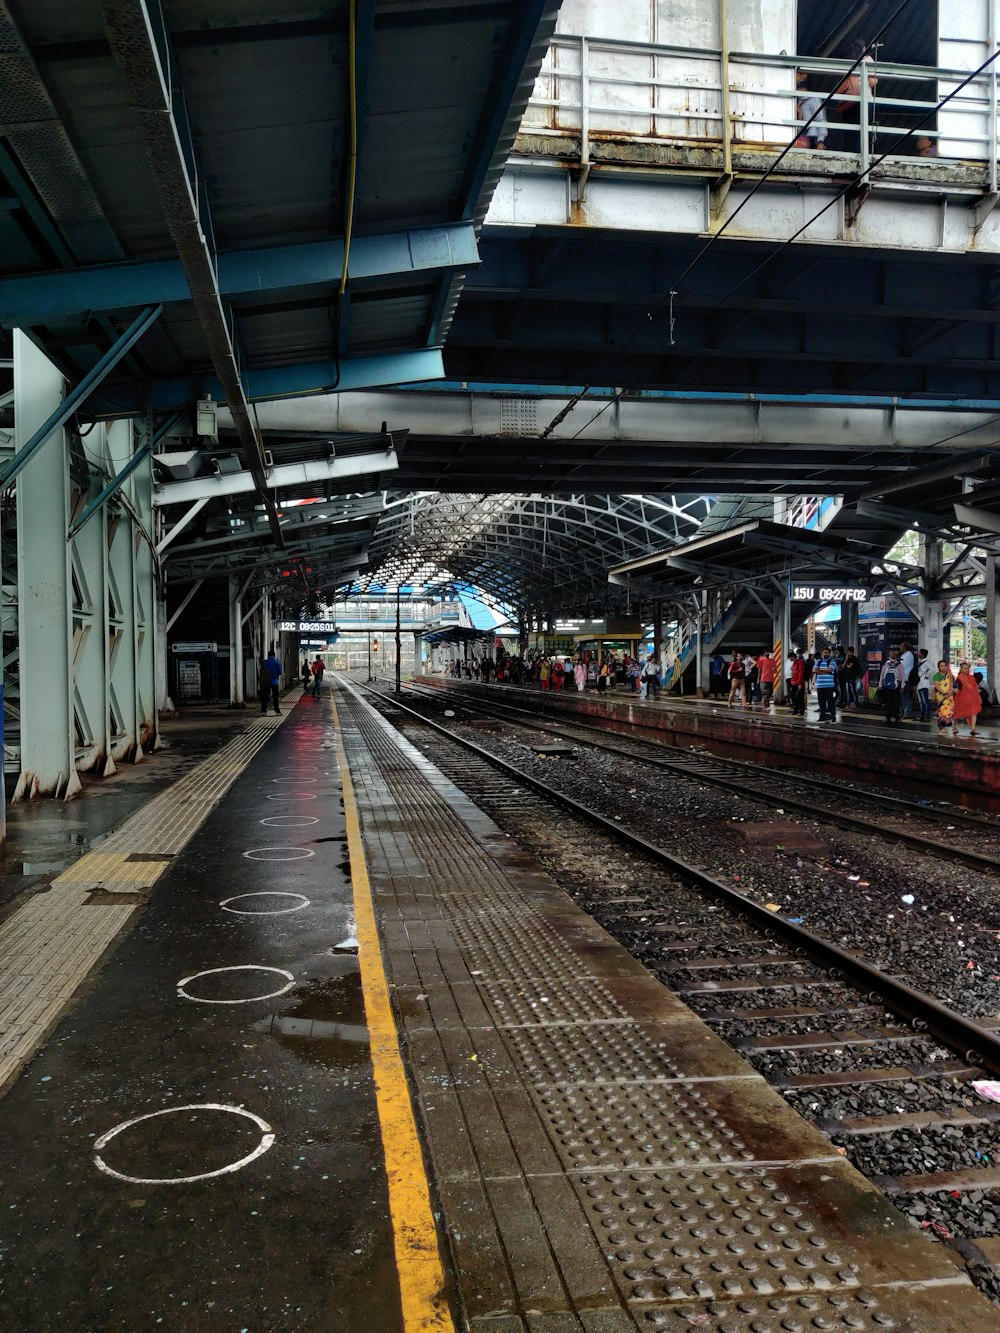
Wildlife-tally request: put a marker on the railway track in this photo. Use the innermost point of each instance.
(884, 1069)
(743, 780)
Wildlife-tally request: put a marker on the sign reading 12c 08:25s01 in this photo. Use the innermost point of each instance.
(821, 592)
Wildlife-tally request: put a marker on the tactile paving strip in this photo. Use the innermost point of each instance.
(633, 1125)
(591, 1054)
(711, 1234)
(50, 943)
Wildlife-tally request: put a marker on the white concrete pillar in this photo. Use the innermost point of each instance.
(236, 641)
(122, 607)
(145, 639)
(93, 629)
(993, 623)
(930, 607)
(48, 750)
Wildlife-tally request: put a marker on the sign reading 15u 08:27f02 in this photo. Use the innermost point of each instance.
(821, 592)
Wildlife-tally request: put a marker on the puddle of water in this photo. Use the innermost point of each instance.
(326, 1023)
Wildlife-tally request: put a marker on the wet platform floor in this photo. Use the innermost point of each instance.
(298, 1238)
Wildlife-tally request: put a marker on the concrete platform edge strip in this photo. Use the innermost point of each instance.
(50, 943)
(418, 1259)
(513, 1165)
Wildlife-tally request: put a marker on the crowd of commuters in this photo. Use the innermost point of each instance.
(907, 686)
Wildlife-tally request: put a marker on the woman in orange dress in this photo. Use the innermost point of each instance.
(968, 704)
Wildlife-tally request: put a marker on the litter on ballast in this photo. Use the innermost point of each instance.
(988, 1088)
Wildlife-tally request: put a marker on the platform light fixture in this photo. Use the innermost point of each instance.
(206, 422)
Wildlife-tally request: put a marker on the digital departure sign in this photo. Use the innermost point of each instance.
(827, 592)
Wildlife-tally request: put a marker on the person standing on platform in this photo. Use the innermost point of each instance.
(766, 671)
(797, 683)
(968, 704)
(891, 684)
(716, 676)
(634, 676)
(825, 675)
(317, 669)
(606, 674)
(810, 662)
(651, 677)
(908, 663)
(737, 680)
(751, 686)
(268, 679)
(580, 676)
(943, 689)
(852, 674)
(924, 685)
(543, 673)
(305, 675)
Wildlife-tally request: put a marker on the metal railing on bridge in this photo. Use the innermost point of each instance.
(604, 89)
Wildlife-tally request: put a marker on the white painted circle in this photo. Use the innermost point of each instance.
(289, 821)
(241, 967)
(297, 854)
(266, 1142)
(294, 796)
(266, 893)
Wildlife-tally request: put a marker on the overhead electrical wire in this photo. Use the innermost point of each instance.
(856, 180)
(675, 285)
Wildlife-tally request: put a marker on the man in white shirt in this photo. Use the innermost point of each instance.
(907, 662)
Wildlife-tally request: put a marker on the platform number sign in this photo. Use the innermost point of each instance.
(821, 592)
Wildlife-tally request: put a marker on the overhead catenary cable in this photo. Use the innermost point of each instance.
(856, 180)
(675, 285)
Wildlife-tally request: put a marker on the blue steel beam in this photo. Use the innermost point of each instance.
(38, 298)
(113, 485)
(77, 396)
(360, 372)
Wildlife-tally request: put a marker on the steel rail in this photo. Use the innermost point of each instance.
(976, 1044)
(976, 860)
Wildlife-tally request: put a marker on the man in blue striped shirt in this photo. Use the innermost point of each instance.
(825, 676)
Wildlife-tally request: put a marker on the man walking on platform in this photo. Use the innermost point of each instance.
(268, 679)
(766, 671)
(318, 667)
(825, 675)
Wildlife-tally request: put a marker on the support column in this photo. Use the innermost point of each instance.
(930, 634)
(236, 642)
(97, 625)
(849, 625)
(146, 641)
(123, 609)
(657, 629)
(781, 634)
(699, 650)
(993, 623)
(48, 751)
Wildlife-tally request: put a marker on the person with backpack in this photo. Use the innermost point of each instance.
(890, 684)
(908, 665)
(318, 667)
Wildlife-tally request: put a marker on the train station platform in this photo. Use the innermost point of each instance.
(336, 1053)
(858, 747)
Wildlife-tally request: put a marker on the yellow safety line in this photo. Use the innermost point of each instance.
(418, 1261)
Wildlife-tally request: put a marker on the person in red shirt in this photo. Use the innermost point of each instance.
(766, 670)
(737, 679)
(797, 684)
